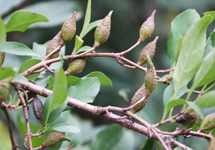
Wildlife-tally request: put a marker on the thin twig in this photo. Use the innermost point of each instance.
(166, 70)
(131, 48)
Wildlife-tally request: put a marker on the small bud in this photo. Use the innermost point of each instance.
(2, 58)
(38, 108)
(4, 88)
(69, 27)
(53, 138)
(140, 93)
(53, 44)
(76, 66)
(208, 123)
(147, 27)
(148, 49)
(103, 30)
(150, 78)
(212, 144)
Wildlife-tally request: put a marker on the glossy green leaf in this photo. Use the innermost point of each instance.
(78, 43)
(86, 19)
(64, 127)
(85, 90)
(3, 33)
(103, 79)
(6, 72)
(105, 140)
(72, 80)
(207, 100)
(20, 79)
(191, 53)
(28, 64)
(206, 72)
(212, 36)
(179, 26)
(17, 49)
(22, 19)
(83, 49)
(91, 26)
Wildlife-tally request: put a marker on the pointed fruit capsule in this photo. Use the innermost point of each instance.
(4, 88)
(53, 138)
(212, 144)
(76, 66)
(2, 58)
(208, 123)
(38, 108)
(69, 28)
(148, 49)
(147, 28)
(103, 31)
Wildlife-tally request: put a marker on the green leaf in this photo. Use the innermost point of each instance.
(3, 33)
(17, 49)
(43, 81)
(148, 145)
(20, 79)
(72, 80)
(103, 79)
(212, 36)
(207, 100)
(178, 47)
(191, 53)
(210, 13)
(105, 140)
(83, 49)
(208, 47)
(91, 26)
(85, 90)
(86, 19)
(205, 73)
(6, 72)
(28, 64)
(78, 43)
(179, 26)
(64, 127)
(22, 19)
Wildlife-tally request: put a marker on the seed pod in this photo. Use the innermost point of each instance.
(53, 44)
(76, 66)
(187, 119)
(140, 93)
(69, 27)
(4, 88)
(2, 58)
(212, 144)
(150, 78)
(208, 123)
(103, 31)
(38, 108)
(147, 28)
(148, 49)
(53, 138)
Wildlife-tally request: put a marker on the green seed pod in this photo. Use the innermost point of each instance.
(38, 108)
(140, 93)
(103, 31)
(76, 66)
(4, 88)
(147, 28)
(212, 144)
(53, 138)
(150, 78)
(69, 27)
(208, 123)
(53, 44)
(2, 58)
(148, 49)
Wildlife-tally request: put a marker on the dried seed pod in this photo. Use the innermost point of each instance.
(140, 93)
(2, 58)
(148, 49)
(147, 28)
(38, 108)
(69, 27)
(53, 138)
(76, 66)
(208, 123)
(187, 119)
(150, 78)
(4, 88)
(53, 44)
(103, 30)
(212, 144)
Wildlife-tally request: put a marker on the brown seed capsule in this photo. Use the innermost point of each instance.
(212, 144)
(76, 66)
(53, 138)
(2, 58)
(147, 28)
(53, 44)
(4, 88)
(69, 27)
(148, 49)
(208, 123)
(103, 30)
(38, 108)
(150, 78)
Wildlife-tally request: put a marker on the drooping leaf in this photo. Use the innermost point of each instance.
(22, 19)
(179, 26)
(64, 127)
(191, 53)
(20, 79)
(78, 44)
(17, 49)
(91, 26)
(85, 90)
(103, 79)
(207, 100)
(3, 33)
